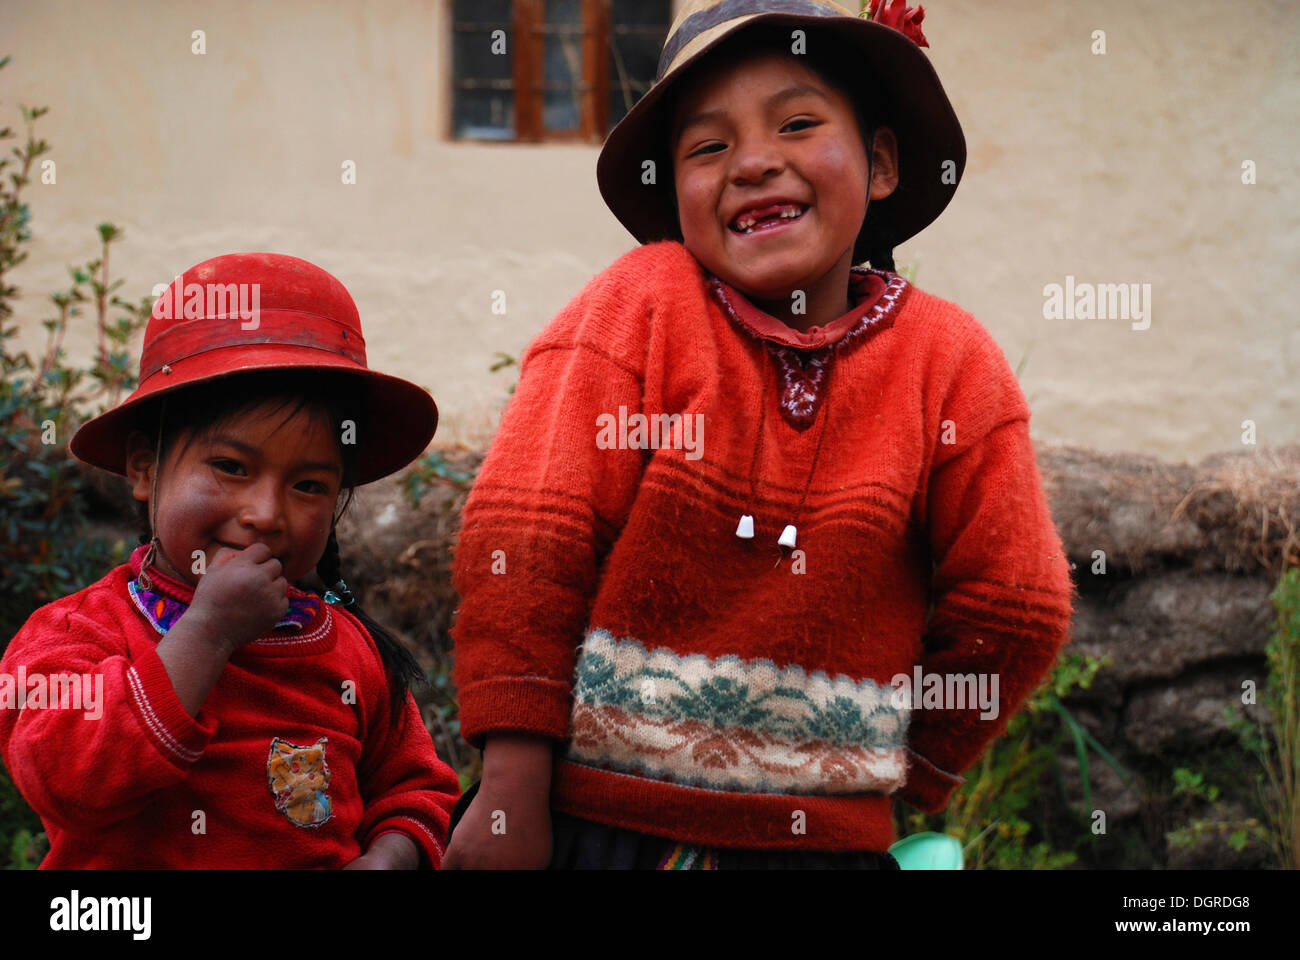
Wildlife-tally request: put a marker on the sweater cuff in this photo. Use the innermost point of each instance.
(928, 788)
(178, 736)
(418, 832)
(537, 705)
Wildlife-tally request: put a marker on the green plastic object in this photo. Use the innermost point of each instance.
(928, 851)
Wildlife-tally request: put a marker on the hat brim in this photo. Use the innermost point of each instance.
(401, 417)
(931, 146)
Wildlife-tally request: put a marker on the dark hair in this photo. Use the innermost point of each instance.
(200, 411)
(840, 67)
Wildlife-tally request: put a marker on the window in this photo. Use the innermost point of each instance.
(552, 70)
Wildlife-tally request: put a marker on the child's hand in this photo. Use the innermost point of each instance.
(392, 851)
(508, 823)
(243, 594)
(502, 830)
(241, 597)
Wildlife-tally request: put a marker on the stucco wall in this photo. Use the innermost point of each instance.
(1122, 168)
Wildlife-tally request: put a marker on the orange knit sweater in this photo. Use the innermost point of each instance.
(735, 692)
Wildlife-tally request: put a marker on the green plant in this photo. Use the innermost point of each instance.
(1071, 672)
(1187, 783)
(1190, 786)
(502, 361)
(44, 552)
(991, 812)
(432, 468)
(1024, 361)
(24, 842)
(1275, 741)
(443, 709)
(1241, 833)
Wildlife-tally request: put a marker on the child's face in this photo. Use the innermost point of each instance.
(253, 480)
(763, 130)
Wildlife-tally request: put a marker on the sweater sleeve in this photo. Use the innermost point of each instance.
(405, 787)
(1001, 586)
(546, 506)
(91, 767)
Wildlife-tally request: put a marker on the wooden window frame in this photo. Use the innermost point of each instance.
(527, 83)
(593, 99)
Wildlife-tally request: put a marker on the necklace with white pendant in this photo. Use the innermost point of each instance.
(789, 535)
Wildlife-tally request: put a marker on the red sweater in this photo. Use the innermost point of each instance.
(732, 692)
(291, 761)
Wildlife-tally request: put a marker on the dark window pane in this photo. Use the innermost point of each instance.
(483, 11)
(652, 13)
(562, 65)
(563, 60)
(620, 101)
(485, 114)
(637, 33)
(483, 95)
(640, 54)
(473, 57)
(566, 13)
(617, 107)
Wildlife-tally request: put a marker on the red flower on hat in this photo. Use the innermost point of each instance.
(906, 20)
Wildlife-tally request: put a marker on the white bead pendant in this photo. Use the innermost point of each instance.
(787, 536)
(746, 528)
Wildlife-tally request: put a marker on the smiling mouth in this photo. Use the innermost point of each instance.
(767, 218)
(232, 546)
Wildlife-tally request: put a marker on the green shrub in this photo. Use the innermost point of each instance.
(44, 552)
(993, 813)
(1191, 787)
(1275, 741)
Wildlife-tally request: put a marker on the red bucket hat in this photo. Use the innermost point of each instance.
(247, 312)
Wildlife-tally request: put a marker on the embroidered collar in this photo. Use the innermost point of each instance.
(163, 605)
(875, 295)
(803, 360)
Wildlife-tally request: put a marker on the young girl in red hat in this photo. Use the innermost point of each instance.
(747, 494)
(229, 718)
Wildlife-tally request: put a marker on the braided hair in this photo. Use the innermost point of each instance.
(200, 411)
(404, 671)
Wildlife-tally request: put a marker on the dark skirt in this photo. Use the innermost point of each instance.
(583, 845)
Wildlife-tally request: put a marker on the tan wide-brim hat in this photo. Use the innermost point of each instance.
(931, 147)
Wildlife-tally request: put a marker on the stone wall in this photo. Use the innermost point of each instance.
(1175, 566)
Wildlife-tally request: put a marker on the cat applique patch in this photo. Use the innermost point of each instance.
(299, 777)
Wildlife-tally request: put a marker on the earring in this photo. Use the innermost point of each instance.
(146, 562)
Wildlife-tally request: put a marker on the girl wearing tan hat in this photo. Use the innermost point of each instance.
(751, 505)
(224, 717)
